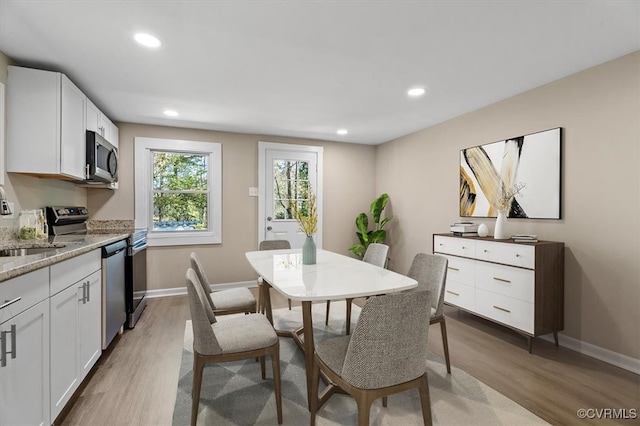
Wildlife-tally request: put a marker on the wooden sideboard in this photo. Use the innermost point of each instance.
(518, 285)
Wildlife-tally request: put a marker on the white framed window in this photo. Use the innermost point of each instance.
(178, 191)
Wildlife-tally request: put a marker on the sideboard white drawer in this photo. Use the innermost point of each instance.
(460, 295)
(456, 246)
(461, 270)
(510, 254)
(24, 291)
(507, 310)
(512, 282)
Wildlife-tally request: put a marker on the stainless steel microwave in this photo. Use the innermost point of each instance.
(102, 159)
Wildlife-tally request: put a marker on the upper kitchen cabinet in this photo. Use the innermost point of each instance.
(45, 124)
(100, 123)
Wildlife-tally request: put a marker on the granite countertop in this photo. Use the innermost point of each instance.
(62, 248)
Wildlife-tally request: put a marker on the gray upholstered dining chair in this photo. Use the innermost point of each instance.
(232, 339)
(223, 302)
(376, 254)
(386, 354)
(270, 245)
(430, 270)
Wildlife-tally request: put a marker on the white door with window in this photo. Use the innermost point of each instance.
(288, 175)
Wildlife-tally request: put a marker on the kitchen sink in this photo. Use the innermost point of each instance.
(25, 251)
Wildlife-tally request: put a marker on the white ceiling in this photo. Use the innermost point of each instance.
(306, 68)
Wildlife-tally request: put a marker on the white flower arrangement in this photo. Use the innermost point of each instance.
(505, 197)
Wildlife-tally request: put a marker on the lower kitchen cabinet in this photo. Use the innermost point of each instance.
(24, 351)
(76, 338)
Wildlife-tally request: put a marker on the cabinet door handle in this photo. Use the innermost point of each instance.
(84, 294)
(502, 309)
(452, 268)
(517, 255)
(485, 250)
(10, 302)
(88, 284)
(502, 279)
(3, 345)
(453, 292)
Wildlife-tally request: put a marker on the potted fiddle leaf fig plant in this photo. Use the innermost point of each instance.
(377, 234)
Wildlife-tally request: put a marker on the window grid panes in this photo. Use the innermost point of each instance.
(291, 187)
(180, 191)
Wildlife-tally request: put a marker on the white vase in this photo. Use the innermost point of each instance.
(483, 230)
(501, 231)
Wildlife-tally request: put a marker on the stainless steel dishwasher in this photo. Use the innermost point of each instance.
(114, 312)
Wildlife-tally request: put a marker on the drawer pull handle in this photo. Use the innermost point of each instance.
(453, 292)
(464, 248)
(517, 255)
(501, 279)
(3, 345)
(452, 268)
(502, 309)
(440, 244)
(10, 302)
(486, 251)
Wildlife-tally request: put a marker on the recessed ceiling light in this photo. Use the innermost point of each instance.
(148, 40)
(171, 113)
(416, 91)
(342, 132)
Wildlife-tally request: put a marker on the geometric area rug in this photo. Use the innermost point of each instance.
(234, 393)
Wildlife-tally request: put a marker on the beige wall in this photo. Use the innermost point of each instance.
(349, 176)
(28, 192)
(599, 110)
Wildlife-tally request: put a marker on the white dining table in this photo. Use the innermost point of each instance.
(332, 277)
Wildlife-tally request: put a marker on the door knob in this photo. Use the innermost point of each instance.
(269, 218)
(269, 228)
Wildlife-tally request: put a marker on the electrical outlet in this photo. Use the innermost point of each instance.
(13, 211)
(253, 191)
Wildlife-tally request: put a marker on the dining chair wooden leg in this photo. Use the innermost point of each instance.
(384, 401)
(275, 360)
(263, 368)
(313, 397)
(425, 400)
(348, 320)
(289, 303)
(363, 400)
(326, 319)
(198, 367)
(445, 343)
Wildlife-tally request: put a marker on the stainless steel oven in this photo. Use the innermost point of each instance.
(136, 276)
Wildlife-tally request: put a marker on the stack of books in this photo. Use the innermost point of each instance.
(464, 229)
(524, 238)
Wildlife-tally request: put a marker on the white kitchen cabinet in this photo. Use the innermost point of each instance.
(520, 286)
(45, 124)
(24, 364)
(100, 123)
(90, 314)
(76, 327)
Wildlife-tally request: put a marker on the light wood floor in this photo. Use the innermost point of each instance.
(135, 381)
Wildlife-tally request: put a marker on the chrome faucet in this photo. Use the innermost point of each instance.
(5, 210)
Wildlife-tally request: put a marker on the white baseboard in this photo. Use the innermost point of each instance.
(610, 357)
(178, 291)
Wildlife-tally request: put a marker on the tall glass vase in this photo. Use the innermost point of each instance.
(501, 231)
(309, 251)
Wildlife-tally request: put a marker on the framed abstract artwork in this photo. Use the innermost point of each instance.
(529, 165)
